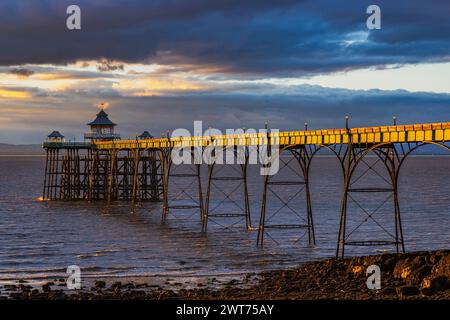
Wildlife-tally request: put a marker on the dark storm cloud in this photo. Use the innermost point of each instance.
(21, 72)
(106, 65)
(58, 73)
(246, 37)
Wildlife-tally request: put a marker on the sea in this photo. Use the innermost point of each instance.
(40, 239)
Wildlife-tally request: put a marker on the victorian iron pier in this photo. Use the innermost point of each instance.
(104, 167)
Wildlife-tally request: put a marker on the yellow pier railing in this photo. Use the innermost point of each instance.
(431, 132)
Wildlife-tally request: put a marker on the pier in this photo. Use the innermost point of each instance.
(107, 168)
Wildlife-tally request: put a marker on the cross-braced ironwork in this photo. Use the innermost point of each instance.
(389, 157)
(118, 174)
(227, 180)
(294, 172)
(149, 175)
(182, 179)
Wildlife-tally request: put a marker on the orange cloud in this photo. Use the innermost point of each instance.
(54, 76)
(149, 87)
(6, 93)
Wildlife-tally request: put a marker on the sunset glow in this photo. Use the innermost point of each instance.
(274, 63)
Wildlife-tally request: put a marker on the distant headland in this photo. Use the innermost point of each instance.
(21, 149)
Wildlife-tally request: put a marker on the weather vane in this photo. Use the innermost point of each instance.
(103, 105)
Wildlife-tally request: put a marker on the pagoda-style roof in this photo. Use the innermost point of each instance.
(145, 135)
(55, 134)
(102, 120)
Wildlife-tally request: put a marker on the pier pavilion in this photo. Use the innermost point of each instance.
(101, 129)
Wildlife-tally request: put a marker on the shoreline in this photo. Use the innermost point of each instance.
(416, 275)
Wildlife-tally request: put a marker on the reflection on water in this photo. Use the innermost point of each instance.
(42, 238)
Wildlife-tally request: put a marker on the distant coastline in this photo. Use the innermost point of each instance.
(22, 155)
(21, 149)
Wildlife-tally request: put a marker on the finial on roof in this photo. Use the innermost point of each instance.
(102, 119)
(103, 105)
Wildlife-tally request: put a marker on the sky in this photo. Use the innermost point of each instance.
(160, 65)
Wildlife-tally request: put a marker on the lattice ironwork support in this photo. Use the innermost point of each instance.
(135, 192)
(300, 172)
(149, 176)
(391, 159)
(112, 174)
(52, 175)
(240, 159)
(169, 176)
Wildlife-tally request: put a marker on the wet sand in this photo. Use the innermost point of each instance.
(419, 275)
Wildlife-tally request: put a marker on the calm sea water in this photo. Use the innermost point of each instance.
(42, 238)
